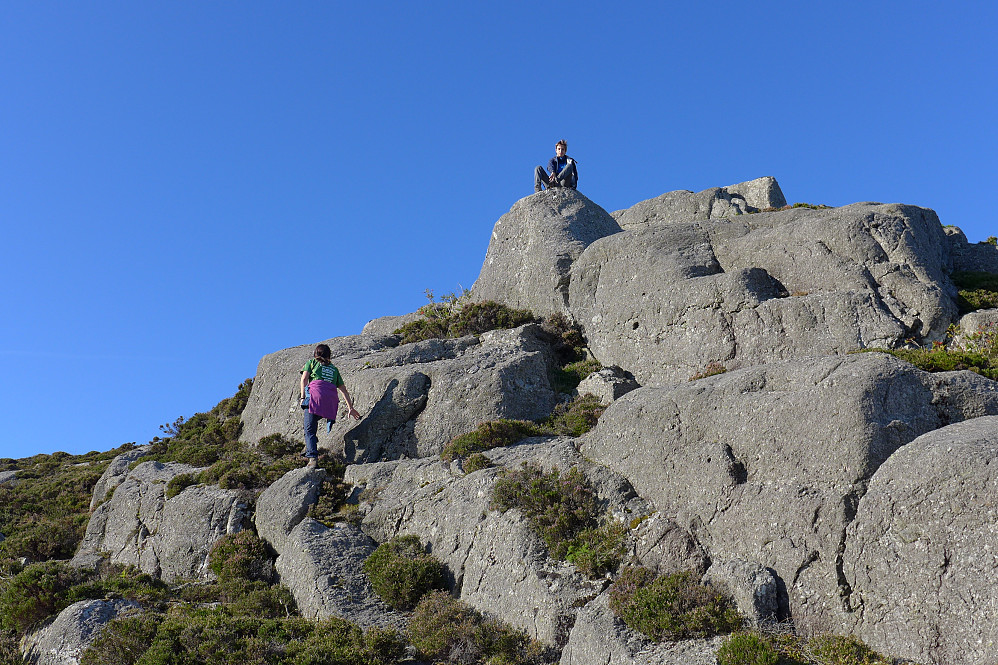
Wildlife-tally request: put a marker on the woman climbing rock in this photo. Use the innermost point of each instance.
(320, 381)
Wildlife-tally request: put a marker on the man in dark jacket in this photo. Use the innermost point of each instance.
(562, 170)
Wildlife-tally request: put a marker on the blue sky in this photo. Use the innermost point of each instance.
(187, 186)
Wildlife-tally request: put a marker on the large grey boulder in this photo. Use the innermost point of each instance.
(498, 564)
(600, 638)
(322, 567)
(533, 246)
(921, 555)
(167, 538)
(65, 638)
(415, 397)
(767, 464)
(666, 302)
(970, 257)
(8, 477)
(115, 472)
(714, 203)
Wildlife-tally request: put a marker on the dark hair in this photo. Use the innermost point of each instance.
(322, 354)
(563, 144)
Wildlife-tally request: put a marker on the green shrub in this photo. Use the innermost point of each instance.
(36, 593)
(843, 650)
(277, 445)
(567, 378)
(457, 319)
(476, 462)
(976, 290)
(443, 629)
(671, 607)
(489, 435)
(747, 649)
(557, 506)
(179, 483)
(940, 359)
(119, 581)
(598, 551)
(401, 572)
(574, 418)
(10, 650)
(122, 641)
(241, 556)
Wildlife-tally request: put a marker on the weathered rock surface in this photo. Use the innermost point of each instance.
(115, 472)
(753, 587)
(498, 564)
(921, 556)
(63, 641)
(608, 384)
(714, 203)
(599, 638)
(171, 538)
(971, 257)
(322, 567)
(533, 247)
(768, 463)
(385, 326)
(7, 477)
(665, 302)
(665, 547)
(416, 397)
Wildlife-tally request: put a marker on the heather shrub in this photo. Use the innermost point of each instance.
(475, 462)
(976, 290)
(567, 378)
(489, 435)
(277, 445)
(241, 556)
(445, 630)
(574, 418)
(119, 581)
(597, 551)
(36, 593)
(671, 607)
(122, 641)
(458, 318)
(940, 359)
(557, 506)
(401, 572)
(747, 648)
(843, 650)
(179, 483)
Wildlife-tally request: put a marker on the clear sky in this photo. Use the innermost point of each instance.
(188, 186)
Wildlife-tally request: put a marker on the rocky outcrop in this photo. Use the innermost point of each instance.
(533, 246)
(63, 641)
(970, 257)
(666, 302)
(322, 567)
(167, 538)
(115, 472)
(752, 586)
(608, 384)
(7, 477)
(714, 203)
(920, 555)
(599, 638)
(498, 564)
(415, 397)
(767, 464)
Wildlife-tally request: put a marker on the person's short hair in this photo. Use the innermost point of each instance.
(563, 144)
(322, 352)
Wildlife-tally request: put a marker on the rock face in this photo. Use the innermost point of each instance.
(498, 564)
(115, 472)
(533, 247)
(767, 464)
(63, 641)
(321, 566)
(168, 538)
(976, 257)
(714, 203)
(667, 301)
(920, 556)
(415, 397)
(608, 384)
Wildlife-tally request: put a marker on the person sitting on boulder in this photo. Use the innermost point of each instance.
(319, 382)
(562, 170)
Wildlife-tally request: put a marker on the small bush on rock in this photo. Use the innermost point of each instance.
(476, 462)
(445, 630)
(401, 572)
(241, 556)
(277, 445)
(36, 593)
(596, 552)
(976, 290)
(489, 435)
(458, 318)
(940, 359)
(575, 418)
(843, 650)
(747, 649)
(123, 641)
(671, 607)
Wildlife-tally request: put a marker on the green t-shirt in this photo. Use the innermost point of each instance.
(317, 370)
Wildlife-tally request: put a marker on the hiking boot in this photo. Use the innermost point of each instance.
(313, 463)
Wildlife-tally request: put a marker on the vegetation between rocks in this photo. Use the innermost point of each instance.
(975, 290)
(445, 630)
(456, 317)
(562, 509)
(763, 648)
(402, 572)
(671, 607)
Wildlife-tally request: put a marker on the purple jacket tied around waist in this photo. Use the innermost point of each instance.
(323, 399)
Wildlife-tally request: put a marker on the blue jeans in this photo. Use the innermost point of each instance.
(311, 435)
